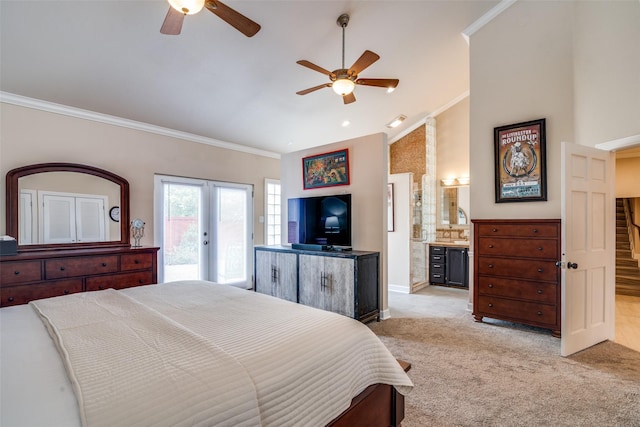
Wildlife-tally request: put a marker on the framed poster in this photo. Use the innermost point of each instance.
(326, 170)
(520, 162)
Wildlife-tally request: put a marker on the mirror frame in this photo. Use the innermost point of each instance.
(439, 223)
(13, 193)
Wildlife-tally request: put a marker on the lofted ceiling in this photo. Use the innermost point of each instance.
(109, 57)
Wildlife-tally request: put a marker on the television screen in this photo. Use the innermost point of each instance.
(322, 220)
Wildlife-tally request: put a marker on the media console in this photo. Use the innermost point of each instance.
(347, 283)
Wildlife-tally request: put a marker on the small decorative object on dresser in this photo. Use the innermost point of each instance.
(137, 231)
(516, 277)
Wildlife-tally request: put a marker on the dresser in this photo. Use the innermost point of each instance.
(42, 274)
(515, 273)
(346, 283)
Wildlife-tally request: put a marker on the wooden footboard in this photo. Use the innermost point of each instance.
(378, 405)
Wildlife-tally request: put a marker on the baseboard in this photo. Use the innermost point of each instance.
(399, 288)
(385, 314)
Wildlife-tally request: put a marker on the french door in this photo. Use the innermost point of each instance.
(204, 230)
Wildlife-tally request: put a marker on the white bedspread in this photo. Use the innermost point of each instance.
(303, 365)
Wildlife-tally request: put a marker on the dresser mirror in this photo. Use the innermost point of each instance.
(66, 206)
(454, 205)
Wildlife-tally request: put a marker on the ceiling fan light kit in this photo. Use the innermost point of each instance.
(343, 80)
(188, 7)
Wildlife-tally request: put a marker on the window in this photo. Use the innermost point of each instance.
(272, 210)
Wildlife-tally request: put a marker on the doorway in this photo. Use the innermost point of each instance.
(204, 230)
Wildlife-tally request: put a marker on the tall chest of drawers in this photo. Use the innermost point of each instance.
(515, 273)
(34, 275)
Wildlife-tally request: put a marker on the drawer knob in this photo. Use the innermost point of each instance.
(535, 230)
(490, 305)
(10, 299)
(539, 248)
(539, 291)
(539, 313)
(61, 268)
(539, 270)
(101, 287)
(490, 246)
(66, 291)
(495, 230)
(136, 262)
(141, 281)
(16, 272)
(104, 264)
(490, 265)
(491, 285)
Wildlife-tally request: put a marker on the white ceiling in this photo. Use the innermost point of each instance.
(109, 57)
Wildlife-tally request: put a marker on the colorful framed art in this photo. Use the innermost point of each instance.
(520, 162)
(326, 170)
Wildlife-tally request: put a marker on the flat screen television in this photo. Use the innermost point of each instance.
(321, 220)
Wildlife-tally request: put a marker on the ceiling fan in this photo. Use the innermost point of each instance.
(172, 24)
(343, 80)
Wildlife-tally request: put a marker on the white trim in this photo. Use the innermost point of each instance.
(37, 104)
(486, 18)
(620, 144)
(434, 113)
(399, 288)
(385, 314)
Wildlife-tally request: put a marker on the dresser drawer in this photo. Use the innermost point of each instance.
(507, 309)
(140, 261)
(437, 250)
(437, 258)
(12, 273)
(518, 230)
(520, 289)
(14, 295)
(519, 268)
(437, 267)
(436, 277)
(527, 248)
(119, 281)
(80, 266)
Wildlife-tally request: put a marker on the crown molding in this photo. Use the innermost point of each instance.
(620, 144)
(434, 113)
(486, 18)
(65, 110)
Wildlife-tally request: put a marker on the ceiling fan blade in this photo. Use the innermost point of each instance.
(348, 99)
(315, 67)
(313, 89)
(388, 83)
(172, 24)
(237, 20)
(366, 59)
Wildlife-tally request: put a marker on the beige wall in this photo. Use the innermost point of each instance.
(628, 177)
(452, 141)
(30, 136)
(368, 158)
(521, 69)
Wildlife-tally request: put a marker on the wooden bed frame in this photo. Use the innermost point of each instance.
(378, 405)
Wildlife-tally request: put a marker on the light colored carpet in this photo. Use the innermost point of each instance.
(502, 374)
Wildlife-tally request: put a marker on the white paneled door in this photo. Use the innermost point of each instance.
(588, 247)
(204, 230)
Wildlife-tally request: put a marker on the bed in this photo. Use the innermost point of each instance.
(192, 353)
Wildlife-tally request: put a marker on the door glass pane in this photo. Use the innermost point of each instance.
(182, 224)
(231, 242)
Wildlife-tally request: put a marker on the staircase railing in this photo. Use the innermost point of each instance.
(632, 228)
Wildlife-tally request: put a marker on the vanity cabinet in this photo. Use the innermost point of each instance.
(43, 274)
(449, 266)
(515, 273)
(342, 282)
(276, 274)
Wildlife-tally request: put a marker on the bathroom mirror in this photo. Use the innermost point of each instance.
(66, 206)
(454, 205)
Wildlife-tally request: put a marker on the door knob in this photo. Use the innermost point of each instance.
(572, 265)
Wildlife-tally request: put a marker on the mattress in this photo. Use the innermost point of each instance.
(305, 364)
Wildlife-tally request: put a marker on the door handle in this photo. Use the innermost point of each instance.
(572, 265)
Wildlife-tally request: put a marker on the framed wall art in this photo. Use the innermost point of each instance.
(326, 170)
(520, 162)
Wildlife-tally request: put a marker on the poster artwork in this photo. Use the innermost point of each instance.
(520, 162)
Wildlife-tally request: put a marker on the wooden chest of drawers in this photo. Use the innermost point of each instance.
(515, 273)
(34, 275)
